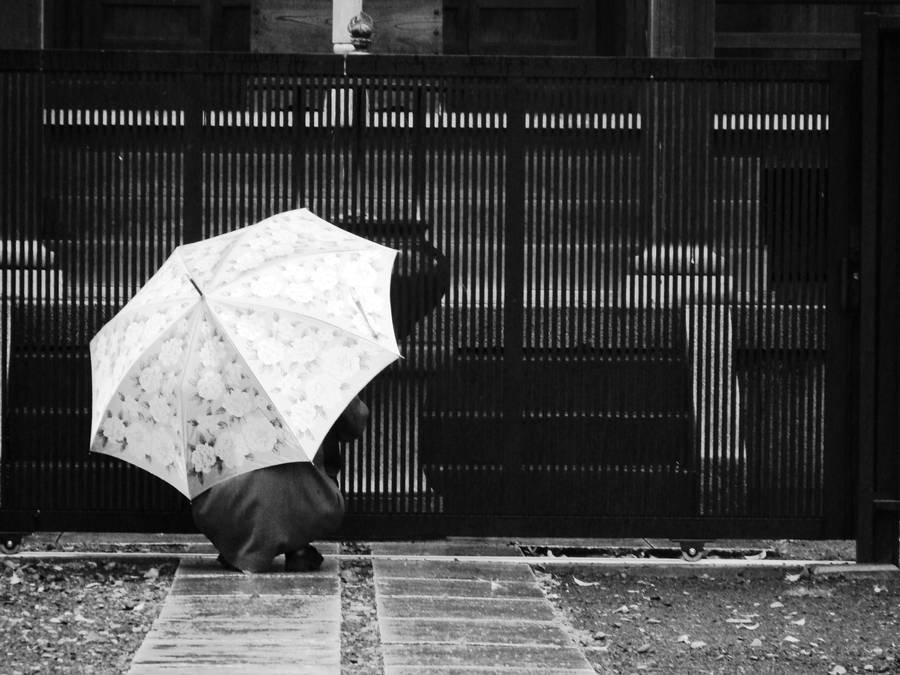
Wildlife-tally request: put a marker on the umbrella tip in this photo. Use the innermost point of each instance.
(196, 286)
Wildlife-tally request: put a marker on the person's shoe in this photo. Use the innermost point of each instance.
(306, 559)
(227, 565)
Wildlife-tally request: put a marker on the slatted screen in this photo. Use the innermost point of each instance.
(611, 294)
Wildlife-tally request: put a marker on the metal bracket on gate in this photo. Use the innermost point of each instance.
(850, 287)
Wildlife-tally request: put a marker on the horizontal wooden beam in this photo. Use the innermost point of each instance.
(787, 41)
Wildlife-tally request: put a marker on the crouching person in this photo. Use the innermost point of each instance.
(254, 517)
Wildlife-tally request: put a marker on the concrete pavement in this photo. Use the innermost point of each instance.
(434, 616)
(217, 621)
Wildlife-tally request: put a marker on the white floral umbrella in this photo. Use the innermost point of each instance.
(242, 350)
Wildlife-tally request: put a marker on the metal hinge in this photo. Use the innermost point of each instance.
(850, 293)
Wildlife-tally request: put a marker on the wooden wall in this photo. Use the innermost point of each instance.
(662, 28)
(297, 26)
(22, 25)
(681, 28)
(179, 25)
(768, 29)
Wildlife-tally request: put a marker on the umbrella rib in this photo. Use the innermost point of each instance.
(257, 382)
(233, 245)
(321, 322)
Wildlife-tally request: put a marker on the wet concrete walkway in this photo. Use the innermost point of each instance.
(441, 616)
(451, 606)
(435, 616)
(217, 621)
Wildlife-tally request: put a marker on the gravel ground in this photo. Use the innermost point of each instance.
(79, 616)
(720, 622)
(84, 616)
(360, 635)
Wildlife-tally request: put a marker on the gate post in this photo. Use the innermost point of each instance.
(878, 505)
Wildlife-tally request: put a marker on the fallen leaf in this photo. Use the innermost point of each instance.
(776, 604)
(756, 642)
(837, 670)
(152, 573)
(579, 582)
(799, 622)
(621, 610)
(805, 591)
(15, 579)
(790, 638)
(752, 626)
(879, 589)
(739, 620)
(683, 638)
(698, 644)
(644, 648)
(791, 578)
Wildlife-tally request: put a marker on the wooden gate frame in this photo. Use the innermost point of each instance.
(878, 506)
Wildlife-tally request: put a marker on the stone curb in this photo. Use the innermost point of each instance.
(647, 565)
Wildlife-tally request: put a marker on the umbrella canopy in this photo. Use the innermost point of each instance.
(242, 350)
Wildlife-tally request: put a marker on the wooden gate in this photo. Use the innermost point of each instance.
(646, 271)
(879, 457)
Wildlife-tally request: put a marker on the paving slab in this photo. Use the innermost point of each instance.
(437, 607)
(463, 616)
(538, 658)
(470, 670)
(432, 631)
(214, 620)
(452, 569)
(460, 588)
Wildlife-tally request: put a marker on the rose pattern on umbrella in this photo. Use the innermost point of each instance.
(351, 299)
(142, 421)
(242, 350)
(229, 422)
(202, 260)
(311, 370)
(281, 236)
(123, 340)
